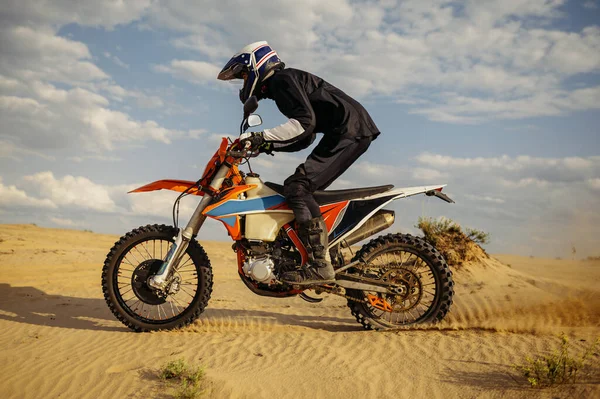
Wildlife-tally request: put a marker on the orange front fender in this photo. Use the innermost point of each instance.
(174, 185)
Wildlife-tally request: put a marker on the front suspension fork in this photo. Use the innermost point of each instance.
(177, 250)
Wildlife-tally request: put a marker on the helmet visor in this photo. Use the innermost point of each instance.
(233, 69)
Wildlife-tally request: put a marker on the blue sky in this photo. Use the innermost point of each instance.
(499, 99)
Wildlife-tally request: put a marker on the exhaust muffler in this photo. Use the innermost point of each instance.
(379, 221)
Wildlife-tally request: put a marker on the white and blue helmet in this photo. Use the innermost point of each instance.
(253, 64)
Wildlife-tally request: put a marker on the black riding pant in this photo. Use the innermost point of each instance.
(329, 159)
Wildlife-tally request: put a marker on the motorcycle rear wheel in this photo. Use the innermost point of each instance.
(419, 273)
(137, 256)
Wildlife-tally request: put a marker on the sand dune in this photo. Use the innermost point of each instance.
(59, 339)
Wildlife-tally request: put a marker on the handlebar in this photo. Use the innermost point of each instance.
(243, 153)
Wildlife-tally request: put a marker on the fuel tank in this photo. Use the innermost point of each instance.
(265, 225)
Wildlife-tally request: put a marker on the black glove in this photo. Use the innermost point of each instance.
(267, 148)
(252, 140)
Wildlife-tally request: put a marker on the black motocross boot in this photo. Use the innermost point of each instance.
(318, 269)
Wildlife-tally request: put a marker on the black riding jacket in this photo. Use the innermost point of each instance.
(313, 106)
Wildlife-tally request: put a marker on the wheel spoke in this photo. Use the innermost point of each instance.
(184, 290)
(126, 270)
(187, 262)
(129, 262)
(178, 304)
(145, 246)
(139, 252)
(133, 256)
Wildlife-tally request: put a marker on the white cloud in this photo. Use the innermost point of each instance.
(458, 109)
(594, 183)
(71, 194)
(485, 198)
(12, 197)
(10, 150)
(518, 197)
(70, 190)
(549, 183)
(196, 133)
(108, 13)
(291, 22)
(38, 54)
(427, 174)
(525, 182)
(104, 158)
(590, 5)
(371, 170)
(194, 71)
(65, 222)
(490, 12)
(206, 41)
(116, 60)
(547, 169)
(494, 59)
(53, 96)
(119, 94)
(48, 117)
(161, 203)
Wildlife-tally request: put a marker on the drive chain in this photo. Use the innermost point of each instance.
(338, 293)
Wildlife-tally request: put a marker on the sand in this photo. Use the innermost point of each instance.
(59, 340)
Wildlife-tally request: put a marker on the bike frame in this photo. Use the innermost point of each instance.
(347, 216)
(340, 212)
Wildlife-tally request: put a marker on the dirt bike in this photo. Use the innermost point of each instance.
(159, 277)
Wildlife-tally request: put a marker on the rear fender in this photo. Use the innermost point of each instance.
(406, 192)
(384, 199)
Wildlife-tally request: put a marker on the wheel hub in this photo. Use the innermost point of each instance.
(139, 283)
(407, 288)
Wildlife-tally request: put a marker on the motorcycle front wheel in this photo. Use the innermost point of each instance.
(137, 256)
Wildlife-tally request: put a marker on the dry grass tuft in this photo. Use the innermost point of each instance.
(457, 246)
(560, 367)
(185, 379)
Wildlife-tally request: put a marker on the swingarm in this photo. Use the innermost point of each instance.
(361, 283)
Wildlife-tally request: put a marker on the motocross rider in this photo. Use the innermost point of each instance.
(312, 106)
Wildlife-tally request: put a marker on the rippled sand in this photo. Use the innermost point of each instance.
(59, 339)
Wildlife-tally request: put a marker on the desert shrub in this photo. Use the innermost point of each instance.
(173, 369)
(593, 258)
(478, 236)
(559, 367)
(457, 246)
(185, 379)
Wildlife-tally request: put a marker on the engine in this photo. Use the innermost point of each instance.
(260, 269)
(264, 261)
